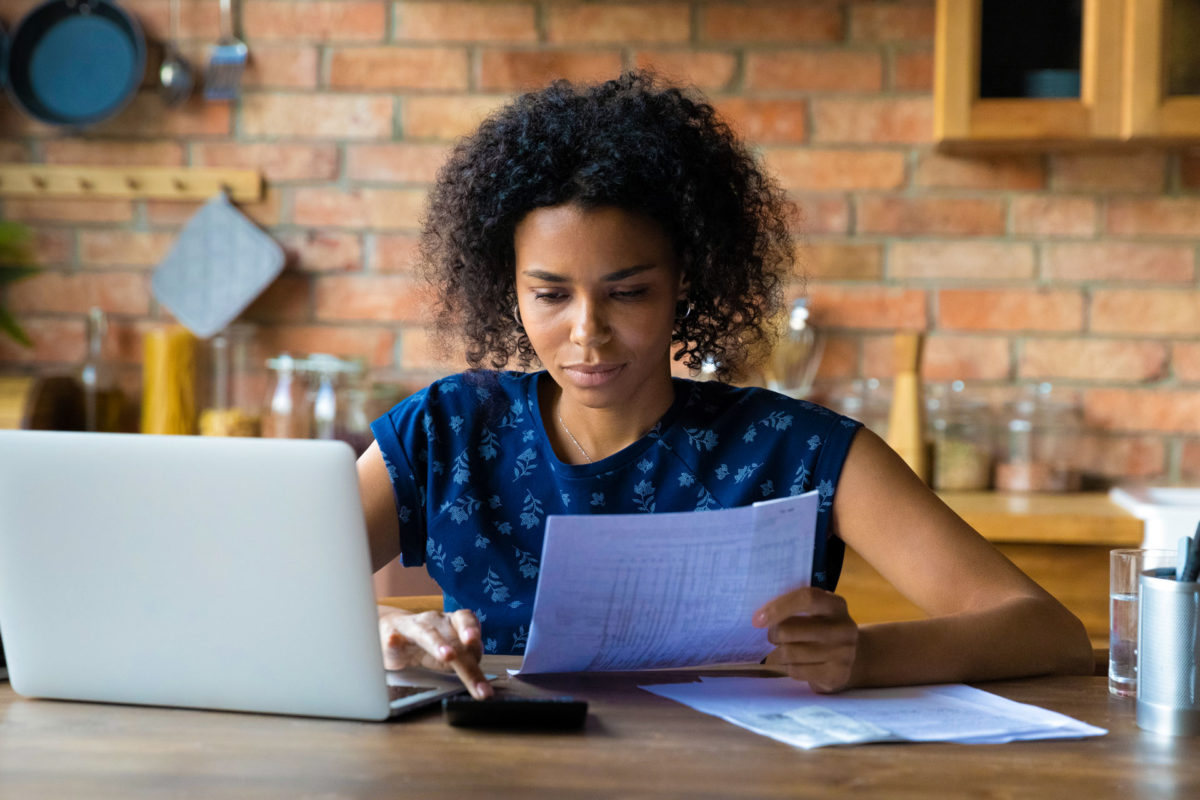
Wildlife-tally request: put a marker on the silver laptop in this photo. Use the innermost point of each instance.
(200, 572)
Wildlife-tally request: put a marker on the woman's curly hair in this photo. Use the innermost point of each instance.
(629, 143)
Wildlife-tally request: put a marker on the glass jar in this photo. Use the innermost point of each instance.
(1038, 436)
(286, 413)
(959, 433)
(233, 408)
(103, 401)
(792, 365)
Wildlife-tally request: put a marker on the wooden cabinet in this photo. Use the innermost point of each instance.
(1137, 67)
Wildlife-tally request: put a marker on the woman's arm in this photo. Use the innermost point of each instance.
(379, 508)
(987, 618)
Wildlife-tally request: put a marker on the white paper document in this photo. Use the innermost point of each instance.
(645, 591)
(788, 711)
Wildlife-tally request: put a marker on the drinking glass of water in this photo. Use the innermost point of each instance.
(1125, 567)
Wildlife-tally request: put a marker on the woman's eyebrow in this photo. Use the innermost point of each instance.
(619, 275)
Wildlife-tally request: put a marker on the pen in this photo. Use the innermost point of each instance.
(1181, 554)
(1191, 569)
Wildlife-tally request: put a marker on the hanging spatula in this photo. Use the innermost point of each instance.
(223, 79)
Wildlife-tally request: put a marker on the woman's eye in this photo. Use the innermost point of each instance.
(549, 297)
(629, 294)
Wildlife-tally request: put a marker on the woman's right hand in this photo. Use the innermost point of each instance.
(435, 640)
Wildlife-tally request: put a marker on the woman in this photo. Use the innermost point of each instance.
(600, 232)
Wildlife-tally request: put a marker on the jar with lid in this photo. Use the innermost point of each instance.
(960, 440)
(1038, 435)
(792, 365)
(867, 401)
(233, 408)
(331, 378)
(286, 413)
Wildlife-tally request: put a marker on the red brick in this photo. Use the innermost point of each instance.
(395, 253)
(1185, 361)
(817, 214)
(466, 22)
(419, 352)
(55, 341)
(1010, 310)
(1053, 215)
(815, 71)
(940, 171)
(905, 120)
(197, 20)
(913, 215)
(912, 71)
(618, 23)
(1142, 171)
(528, 69)
(324, 251)
(840, 261)
(287, 299)
(114, 292)
(277, 161)
(17, 152)
(266, 211)
(120, 248)
(1119, 261)
(1160, 216)
(50, 247)
(317, 116)
(891, 21)
(36, 209)
(1143, 410)
(358, 208)
(1189, 169)
(1146, 312)
(953, 358)
(1093, 360)
(766, 121)
(445, 117)
(373, 343)
(832, 170)
(869, 307)
(339, 21)
(145, 118)
(819, 21)
(391, 67)
(282, 67)
(839, 359)
(1120, 458)
(708, 70)
(381, 298)
(93, 152)
(970, 259)
(400, 162)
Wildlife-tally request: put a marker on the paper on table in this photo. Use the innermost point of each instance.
(644, 591)
(788, 711)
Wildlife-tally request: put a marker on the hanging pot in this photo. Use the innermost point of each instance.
(75, 62)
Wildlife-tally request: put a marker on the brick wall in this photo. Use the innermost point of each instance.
(1076, 268)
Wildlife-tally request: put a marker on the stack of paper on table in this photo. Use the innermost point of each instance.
(788, 711)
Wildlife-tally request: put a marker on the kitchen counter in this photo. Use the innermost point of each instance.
(1082, 518)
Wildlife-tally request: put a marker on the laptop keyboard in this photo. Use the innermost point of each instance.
(400, 692)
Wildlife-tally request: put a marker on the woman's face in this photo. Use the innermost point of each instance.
(597, 290)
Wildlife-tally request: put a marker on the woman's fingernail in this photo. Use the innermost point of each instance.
(483, 689)
(760, 619)
(445, 651)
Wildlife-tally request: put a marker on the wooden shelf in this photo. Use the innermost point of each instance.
(1080, 518)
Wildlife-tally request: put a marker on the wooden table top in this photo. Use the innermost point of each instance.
(635, 745)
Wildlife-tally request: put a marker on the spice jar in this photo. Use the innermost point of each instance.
(286, 413)
(1037, 438)
(233, 407)
(960, 439)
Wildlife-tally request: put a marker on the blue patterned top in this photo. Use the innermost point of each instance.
(474, 477)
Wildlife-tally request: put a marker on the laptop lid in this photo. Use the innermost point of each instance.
(188, 571)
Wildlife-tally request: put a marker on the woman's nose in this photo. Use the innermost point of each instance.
(589, 327)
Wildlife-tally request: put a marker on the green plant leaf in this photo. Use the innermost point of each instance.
(13, 274)
(8, 325)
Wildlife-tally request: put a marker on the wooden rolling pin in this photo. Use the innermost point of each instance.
(906, 423)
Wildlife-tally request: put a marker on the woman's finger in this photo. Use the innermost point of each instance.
(806, 601)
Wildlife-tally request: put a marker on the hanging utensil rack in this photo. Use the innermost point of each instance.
(157, 183)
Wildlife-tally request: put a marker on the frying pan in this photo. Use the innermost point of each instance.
(75, 62)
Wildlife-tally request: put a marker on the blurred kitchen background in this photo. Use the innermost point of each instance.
(1044, 245)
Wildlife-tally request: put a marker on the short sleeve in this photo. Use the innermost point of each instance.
(402, 438)
(827, 471)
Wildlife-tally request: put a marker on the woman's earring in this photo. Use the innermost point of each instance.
(516, 312)
(687, 311)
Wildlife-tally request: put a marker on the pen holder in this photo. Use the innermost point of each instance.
(1168, 696)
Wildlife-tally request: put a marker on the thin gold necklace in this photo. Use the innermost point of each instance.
(573, 439)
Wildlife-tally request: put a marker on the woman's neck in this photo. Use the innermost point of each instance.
(580, 434)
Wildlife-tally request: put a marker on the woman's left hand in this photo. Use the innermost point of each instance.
(815, 639)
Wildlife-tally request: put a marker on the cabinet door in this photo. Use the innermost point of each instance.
(973, 36)
(1162, 84)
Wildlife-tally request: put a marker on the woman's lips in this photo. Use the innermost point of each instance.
(592, 375)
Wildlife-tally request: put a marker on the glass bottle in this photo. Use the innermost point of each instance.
(231, 410)
(793, 362)
(103, 402)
